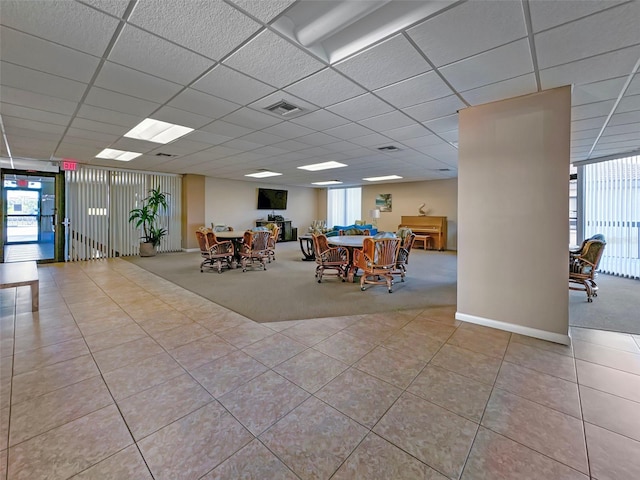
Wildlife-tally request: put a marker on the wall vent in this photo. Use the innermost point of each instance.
(283, 108)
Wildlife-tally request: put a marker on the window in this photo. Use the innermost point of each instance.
(343, 206)
(612, 207)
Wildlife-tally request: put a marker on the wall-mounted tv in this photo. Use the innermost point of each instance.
(272, 199)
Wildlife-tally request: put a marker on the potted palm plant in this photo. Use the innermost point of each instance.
(147, 217)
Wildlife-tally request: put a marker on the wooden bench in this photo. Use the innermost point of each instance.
(21, 274)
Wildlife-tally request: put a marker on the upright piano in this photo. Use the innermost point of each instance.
(426, 225)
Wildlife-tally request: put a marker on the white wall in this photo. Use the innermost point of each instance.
(234, 203)
(513, 208)
(439, 196)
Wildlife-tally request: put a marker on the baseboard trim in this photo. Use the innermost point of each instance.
(513, 328)
(190, 250)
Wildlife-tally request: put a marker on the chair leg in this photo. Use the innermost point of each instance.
(389, 282)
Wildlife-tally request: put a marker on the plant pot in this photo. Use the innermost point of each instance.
(147, 250)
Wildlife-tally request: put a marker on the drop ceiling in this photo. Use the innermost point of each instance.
(75, 76)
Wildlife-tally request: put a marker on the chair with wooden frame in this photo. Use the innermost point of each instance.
(254, 248)
(354, 231)
(377, 259)
(403, 255)
(216, 254)
(583, 267)
(330, 258)
(274, 229)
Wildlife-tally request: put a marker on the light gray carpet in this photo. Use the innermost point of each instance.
(288, 290)
(616, 308)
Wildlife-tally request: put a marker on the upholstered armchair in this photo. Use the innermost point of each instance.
(330, 258)
(583, 267)
(216, 254)
(377, 260)
(255, 248)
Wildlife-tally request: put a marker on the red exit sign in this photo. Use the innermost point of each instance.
(69, 165)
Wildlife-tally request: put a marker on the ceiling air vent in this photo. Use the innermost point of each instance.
(444, 169)
(283, 108)
(389, 148)
(160, 154)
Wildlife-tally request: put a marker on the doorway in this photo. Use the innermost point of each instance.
(30, 205)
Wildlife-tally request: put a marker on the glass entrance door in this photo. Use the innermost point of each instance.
(23, 216)
(28, 224)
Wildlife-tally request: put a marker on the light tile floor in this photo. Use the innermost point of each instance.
(123, 375)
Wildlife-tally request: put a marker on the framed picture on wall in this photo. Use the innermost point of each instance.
(383, 202)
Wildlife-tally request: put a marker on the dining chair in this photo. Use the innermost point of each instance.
(377, 259)
(403, 255)
(216, 254)
(254, 248)
(330, 258)
(273, 239)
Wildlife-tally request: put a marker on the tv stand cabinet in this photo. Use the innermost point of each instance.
(286, 231)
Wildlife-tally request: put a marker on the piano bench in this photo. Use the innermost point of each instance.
(427, 241)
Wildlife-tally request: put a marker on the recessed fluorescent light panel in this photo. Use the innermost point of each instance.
(264, 174)
(156, 131)
(328, 182)
(121, 155)
(379, 179)
(322, 166)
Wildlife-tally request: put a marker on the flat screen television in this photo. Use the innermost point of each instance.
(272, 199)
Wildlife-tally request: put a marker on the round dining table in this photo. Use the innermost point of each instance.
(350, 242)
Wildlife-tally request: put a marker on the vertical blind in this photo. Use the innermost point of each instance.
(343, 206)
(97, 205)
(612, 207)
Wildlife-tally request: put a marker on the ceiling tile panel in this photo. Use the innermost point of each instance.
(145, 52)
(423, 141)
(33, 114)
(389, 62)
(188, 23)
(249, 118)
(102, 137)
(325, 88)
(108, 116)
(35, 125)
(273, 60)
(591, 134)
(320, 120)
(224, 82)
(513, 87)
(596, 122)
(114, 7)
(551, 13)
(620, 129)
(16, 96)
(495, 65)
(137, 84)
(348, 131)
(288, 130)
(634, 86)
(101, 127)
(262, 138)
(435, 109)
(41, 83)
(589, 70)
(264, 11)
(226, 129)
(26, 50)
(443, 124)
(469, 29)
(182, 146)
(624, 118)
(279, 96)
(203, 104)
(597, 91)
(589, 36)
(591, 110)
(99, 97)
(318, 138)
(208, 138)
(629, 103)
(389, 120)
(372, 140)
(67, 23)
(361, 107)
(180, 117)
(406, 133)
(413, 91)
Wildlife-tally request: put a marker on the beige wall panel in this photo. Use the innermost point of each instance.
(513, 204)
